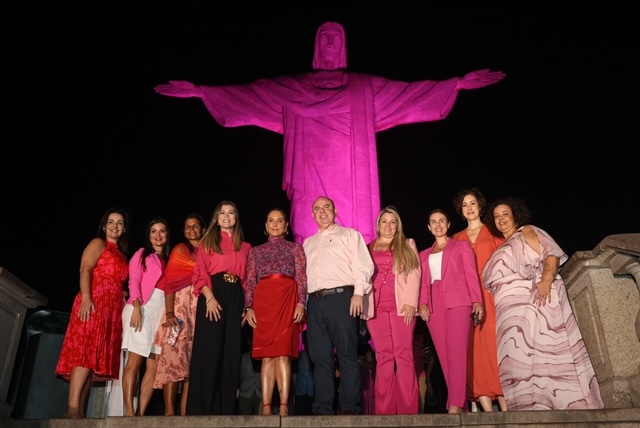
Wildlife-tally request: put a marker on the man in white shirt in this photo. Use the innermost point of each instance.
(339, 270)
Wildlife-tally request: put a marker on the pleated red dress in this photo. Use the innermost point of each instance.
(95, 344)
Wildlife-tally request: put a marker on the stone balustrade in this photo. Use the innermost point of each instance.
(604, 289)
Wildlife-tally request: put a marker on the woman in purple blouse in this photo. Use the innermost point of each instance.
(276, 296)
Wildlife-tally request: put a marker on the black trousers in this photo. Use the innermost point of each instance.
(215, 360)
(331, 333)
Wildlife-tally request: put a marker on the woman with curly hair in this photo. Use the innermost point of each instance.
(542, 358)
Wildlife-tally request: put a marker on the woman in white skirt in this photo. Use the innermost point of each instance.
(142, 314)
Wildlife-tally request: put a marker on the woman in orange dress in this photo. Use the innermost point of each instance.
(483, 379)
(91, 347)
(180, 304)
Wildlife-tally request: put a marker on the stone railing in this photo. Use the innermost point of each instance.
(604, 289)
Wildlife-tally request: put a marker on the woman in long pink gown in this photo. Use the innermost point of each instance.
(542, 358)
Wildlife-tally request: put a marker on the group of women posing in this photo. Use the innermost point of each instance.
(495, 306)
(199, 285)
(491, 296)
(106, 322)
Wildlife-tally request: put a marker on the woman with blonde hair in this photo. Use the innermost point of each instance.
(391, 317)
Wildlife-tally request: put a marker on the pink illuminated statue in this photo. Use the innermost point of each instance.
(329, 118)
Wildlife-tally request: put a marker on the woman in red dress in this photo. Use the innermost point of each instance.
(91, 346)
(276, 296)
(483, 379)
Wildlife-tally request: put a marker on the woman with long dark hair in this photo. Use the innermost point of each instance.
(142, 313)
(180, 307)
(276, 300)
(91, 347)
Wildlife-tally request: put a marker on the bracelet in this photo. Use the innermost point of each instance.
(207, 302)
(247, 309)
(170, 313)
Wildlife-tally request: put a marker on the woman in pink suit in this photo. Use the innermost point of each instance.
(450, 292)
(396, 285)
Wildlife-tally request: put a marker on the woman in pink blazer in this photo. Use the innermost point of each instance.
(450, 298)
(396, 287)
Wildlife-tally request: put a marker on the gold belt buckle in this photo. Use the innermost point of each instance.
(229, 277)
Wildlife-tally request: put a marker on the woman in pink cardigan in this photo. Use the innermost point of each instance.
(450, 297)
(396, 286)
(142, 314)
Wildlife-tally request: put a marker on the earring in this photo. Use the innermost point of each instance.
(104, 229)
(286, 232)
(265, 232)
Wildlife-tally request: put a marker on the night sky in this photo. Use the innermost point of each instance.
(83, 129)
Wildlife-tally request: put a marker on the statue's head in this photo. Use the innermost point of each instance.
(331, 47)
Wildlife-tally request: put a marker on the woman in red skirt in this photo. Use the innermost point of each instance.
(276, 297)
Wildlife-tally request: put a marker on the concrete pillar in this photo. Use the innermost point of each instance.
(604, 290)
(15, 298)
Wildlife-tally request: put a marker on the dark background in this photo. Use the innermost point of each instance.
(84, 130)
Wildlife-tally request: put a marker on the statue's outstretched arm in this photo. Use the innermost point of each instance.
(179, 89)
(479, 79)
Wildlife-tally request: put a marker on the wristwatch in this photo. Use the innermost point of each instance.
(247, 309)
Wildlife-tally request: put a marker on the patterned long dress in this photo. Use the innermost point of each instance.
(174, 360)
(542, 358)
(95, 344)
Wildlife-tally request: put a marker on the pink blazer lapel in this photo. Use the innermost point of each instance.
(446, 254)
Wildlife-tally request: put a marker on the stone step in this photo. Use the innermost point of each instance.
(619, 418)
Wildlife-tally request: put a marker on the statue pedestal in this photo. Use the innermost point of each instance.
(15, 298)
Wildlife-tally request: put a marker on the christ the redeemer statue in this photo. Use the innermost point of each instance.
(329, 118)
